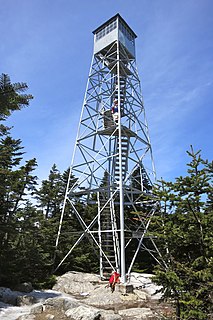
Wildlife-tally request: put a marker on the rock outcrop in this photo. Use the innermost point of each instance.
(83, 296)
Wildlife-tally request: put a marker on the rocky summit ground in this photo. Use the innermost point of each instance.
(83, 296)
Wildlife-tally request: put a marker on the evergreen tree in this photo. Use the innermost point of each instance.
(50, 198)
(18, 219)
(51, 194)
(30, 258)
(186, 237)
(11, 96)
(11, 99)
(17, 183)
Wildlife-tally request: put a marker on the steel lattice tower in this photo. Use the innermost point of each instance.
(112, 158)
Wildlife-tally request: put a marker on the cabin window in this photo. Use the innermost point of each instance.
(125, 30)
(106, 29)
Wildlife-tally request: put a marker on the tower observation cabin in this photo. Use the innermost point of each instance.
(112, 161)
(112, 31)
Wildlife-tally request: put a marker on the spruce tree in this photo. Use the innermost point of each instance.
(51, 193)
(11, 96)
(17, 184)
(186, 239)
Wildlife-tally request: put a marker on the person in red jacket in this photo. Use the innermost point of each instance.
(114, 278)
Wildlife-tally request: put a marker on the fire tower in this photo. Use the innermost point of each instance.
(112, 159)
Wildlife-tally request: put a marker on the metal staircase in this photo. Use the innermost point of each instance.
(108, 238)
(122, 91)
(124, 160)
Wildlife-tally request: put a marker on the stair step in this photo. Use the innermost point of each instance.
(106, 265)
(122, 160)
(109, 246)
(110, 243)
(107, 243)
(123, 149)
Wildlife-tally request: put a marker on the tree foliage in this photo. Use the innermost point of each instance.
(11, 96)
(185, 236)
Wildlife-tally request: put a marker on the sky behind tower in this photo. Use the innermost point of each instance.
(49, 45)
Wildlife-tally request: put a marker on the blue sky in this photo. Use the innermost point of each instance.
(49, 45)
